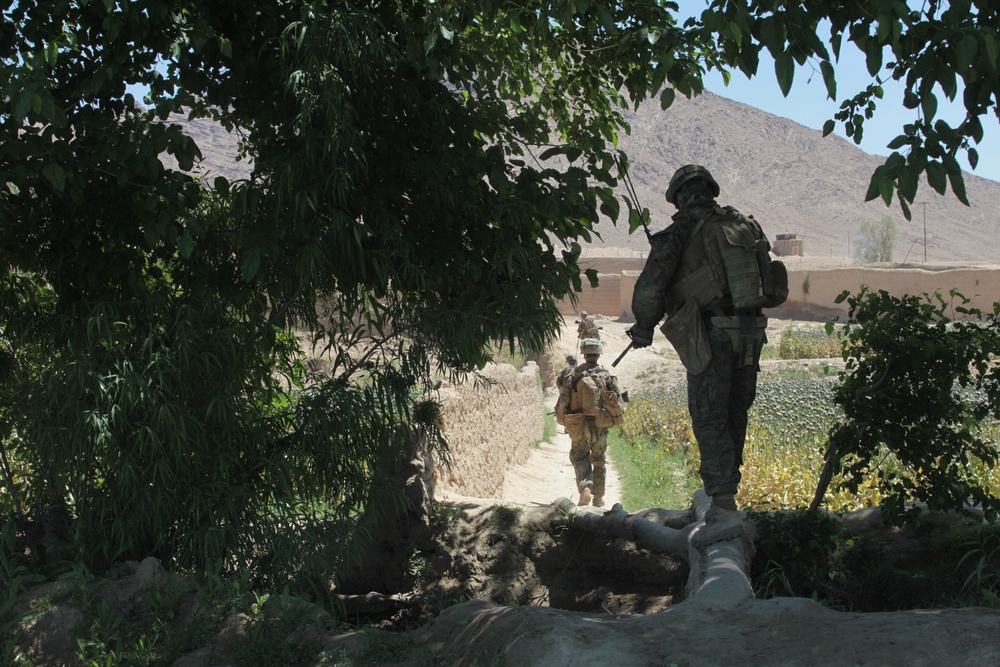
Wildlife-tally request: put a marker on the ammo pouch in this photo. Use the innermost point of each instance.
(576, 423)
(611, 411)
(686, 331)
(747, 334)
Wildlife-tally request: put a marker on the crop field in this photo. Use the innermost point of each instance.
(657, 455)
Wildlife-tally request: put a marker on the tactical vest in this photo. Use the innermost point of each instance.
(727, 262)
(591, 398)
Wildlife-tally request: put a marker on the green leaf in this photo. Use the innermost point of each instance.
(829, 78)
(737, 33)
(873, 57)
(875, 184)
(990, 43)
(784, 69)
(829, 126)
(610, 207)
(936, 177)
(667, 98)
(965, 52)
(898, 142)
(185, 245)
(957, 181)
(430, 40)
(908, 182)
(250, 264)
(55, 175)
(929, 106)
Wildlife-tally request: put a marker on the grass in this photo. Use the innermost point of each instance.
(786, 438)
(652, 476)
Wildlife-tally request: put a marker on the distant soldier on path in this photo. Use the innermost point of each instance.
(567, 372)
(587, 328)
(589, 404)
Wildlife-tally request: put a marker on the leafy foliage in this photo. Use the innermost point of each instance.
(799, 554)
(875, 241)
(915, 388)
(801, 343)
(935, 49)
(421, 176)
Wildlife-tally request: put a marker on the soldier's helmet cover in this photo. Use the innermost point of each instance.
(570, 359)
(591, 346)
(686, 174)
(583, 313)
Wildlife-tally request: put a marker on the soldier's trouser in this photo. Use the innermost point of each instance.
(587, 457)
(718, 400)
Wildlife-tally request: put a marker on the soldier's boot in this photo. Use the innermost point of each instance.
(720, 525)
(598, 501)
(584, 494)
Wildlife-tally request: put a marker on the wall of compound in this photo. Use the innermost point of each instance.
(490, 428)
(813, 290)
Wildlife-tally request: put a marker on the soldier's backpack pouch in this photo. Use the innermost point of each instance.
(611, 411)
(747, 335)
(775, 283)
(585, 396)
(575, 423)
(686, 331)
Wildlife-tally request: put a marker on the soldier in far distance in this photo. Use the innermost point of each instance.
(567, 372)
(587, 327)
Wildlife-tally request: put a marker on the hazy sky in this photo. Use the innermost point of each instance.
(808, 105)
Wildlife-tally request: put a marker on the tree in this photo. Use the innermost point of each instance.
(421, 177)
(916, 386)
(875, 241)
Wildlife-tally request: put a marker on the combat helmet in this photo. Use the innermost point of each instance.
(591, 346)
(686, 174)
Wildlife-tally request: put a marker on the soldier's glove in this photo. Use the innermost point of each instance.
(641, 336)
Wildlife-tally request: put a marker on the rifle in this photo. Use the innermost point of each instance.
(622, 355)
(630, 189)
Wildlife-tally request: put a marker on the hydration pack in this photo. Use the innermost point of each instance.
(729, 254)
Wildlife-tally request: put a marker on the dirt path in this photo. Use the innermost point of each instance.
(548, 474)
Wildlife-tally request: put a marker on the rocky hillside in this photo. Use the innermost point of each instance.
(788, 176)
(794, 180)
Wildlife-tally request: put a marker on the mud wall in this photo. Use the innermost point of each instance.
(820, 288)
(814, 290)
(491, 428)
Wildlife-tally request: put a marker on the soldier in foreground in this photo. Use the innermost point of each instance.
(711, 272)
(588, 405)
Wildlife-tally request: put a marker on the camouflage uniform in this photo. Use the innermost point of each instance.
(587, 328)
(720, 396)
(567, 372)
(587, 453)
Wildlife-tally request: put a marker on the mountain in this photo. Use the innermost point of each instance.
(789, 177)
(794, 180)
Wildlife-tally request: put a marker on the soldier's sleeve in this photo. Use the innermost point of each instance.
(651, 298)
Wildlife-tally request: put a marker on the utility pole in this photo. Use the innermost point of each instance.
(924, 204)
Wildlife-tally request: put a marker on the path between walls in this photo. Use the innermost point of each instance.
(548, 474)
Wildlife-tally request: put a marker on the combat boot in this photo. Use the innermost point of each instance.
(598, 501)
(720, 525)
(584, 494)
